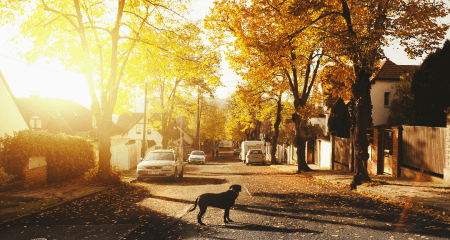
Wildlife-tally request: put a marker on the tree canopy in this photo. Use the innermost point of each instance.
(100, 39)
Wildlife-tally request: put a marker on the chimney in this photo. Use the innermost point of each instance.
(35, 94)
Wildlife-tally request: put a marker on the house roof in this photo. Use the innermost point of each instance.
(389, 71)
(6, 85)
(127, 121)
(11, 119)
(58, 115)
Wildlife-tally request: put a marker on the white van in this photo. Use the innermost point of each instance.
(248, 145)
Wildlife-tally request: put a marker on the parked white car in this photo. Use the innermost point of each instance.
(197, 157)
(160, 164)
(255, 156)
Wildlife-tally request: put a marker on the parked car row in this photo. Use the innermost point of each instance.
(168, 164)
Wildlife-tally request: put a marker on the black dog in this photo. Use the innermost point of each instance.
(223, 200)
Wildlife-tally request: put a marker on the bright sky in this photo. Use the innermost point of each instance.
(51, 80)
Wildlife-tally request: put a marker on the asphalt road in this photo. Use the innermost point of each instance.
(272, 205)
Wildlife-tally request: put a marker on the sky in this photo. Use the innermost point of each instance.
(50, 80)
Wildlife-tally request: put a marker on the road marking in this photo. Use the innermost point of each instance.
(247, 191)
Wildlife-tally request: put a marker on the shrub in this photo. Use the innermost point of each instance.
(5, 177)
(67, 156)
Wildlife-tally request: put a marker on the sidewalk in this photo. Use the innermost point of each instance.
(60, 194)
(432, 195)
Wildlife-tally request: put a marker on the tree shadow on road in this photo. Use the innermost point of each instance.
(362, 212)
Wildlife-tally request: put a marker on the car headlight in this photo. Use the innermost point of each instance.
(168, 167)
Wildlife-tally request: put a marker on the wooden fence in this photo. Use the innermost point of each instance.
(342, 154)
(423, 148)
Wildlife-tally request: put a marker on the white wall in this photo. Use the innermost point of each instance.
(10, 118)
(324, 148)
(124, 156)
(380, 113)
(119, 155)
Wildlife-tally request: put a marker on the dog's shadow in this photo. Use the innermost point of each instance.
(263, 228)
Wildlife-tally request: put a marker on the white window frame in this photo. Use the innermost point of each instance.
(35, 122)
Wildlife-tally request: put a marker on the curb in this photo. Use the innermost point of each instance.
(13, 220)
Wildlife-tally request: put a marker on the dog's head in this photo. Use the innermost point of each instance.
(236, 188)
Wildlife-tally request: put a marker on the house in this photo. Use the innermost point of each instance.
(383, 88)
(11, 119)
(56, 115)
(133, 123)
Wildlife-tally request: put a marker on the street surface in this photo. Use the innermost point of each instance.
(272, 205)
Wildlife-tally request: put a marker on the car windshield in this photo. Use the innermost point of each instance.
(159, 156)
(197, 153)
(255, 152)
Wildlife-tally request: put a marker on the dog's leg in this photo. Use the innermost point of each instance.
(200, 214)
(226, 216)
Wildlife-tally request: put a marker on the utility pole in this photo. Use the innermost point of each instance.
(181, 137)
(144, 135)
(198, 117)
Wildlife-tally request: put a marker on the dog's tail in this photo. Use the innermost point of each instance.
(196, 200)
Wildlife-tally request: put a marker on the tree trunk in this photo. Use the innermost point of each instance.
(164, 131)
(276, 127)
(104, 151)
(300, 140)
(362, 109)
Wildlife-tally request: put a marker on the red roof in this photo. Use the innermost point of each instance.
(389, 71)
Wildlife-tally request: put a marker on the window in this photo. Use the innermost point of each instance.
(138, 130)
(386, 99)
(35, 122)
(149, 131)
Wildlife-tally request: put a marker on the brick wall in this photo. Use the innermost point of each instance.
(35, 172)
(397, 151)
(372, 164)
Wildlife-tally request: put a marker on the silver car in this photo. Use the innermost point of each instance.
(160, 164)
(197, 157)
(255, 156)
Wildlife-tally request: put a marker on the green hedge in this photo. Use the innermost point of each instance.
(67, 156)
